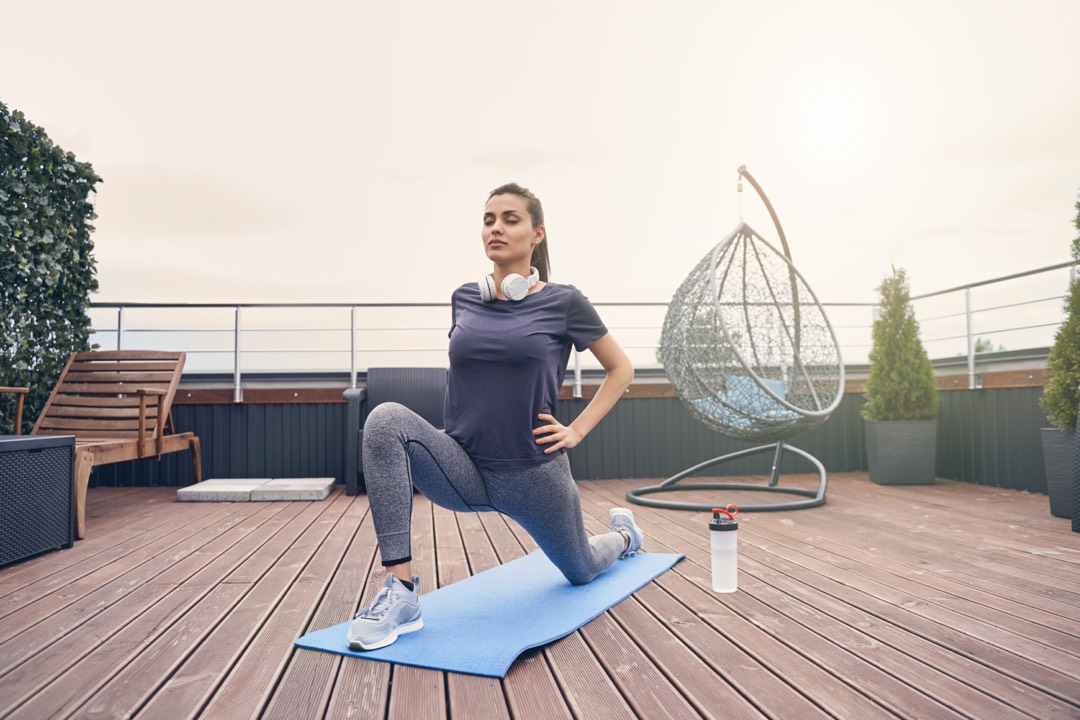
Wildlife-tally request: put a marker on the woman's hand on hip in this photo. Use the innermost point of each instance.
(556, 434)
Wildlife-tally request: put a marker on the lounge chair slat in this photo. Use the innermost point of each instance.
(107, 413)
(97, 400)
(112, 376)
(76, 424)
(128, 355)
(109, 388)
(167, 367)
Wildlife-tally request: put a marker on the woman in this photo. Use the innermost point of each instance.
(503, 449)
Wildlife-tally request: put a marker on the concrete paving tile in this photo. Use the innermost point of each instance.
(293, 489)
(220, 490)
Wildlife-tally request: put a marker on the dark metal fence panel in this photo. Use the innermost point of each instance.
(992, 437)
(245, 441)
(987, 436)
(658, 437)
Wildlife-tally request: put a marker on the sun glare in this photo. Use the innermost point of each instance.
(831, 120)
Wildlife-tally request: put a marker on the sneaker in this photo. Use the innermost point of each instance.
(393, 612)
(622, 521)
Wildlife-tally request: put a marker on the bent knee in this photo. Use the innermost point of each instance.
(578, 576)
(391, 413)
(389, 416)
(386, 423)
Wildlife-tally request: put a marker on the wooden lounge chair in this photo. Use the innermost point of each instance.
(118, 405)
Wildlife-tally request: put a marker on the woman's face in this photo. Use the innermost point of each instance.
(508, 233)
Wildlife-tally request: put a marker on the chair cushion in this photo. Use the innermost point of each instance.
(744, 401)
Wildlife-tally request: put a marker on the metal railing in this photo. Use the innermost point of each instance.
(252, 339)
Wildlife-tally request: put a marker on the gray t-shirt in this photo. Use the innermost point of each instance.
(507, 362)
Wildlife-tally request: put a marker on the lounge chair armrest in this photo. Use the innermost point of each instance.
(20, 392)
(142, 393)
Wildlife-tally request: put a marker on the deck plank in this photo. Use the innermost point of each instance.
(530, 685)
(31, 582)
(950, 584)
(128, 501)
(479, 697)
(308, 682)
(877, 609)
(178, 669)
(66, 672)
(246, 690)
(35, 625)
(948, 600)
(417, 692)
(954, 575)
(203, 673)
(733, 618)
(736, 675)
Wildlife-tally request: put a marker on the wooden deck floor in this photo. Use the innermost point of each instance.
(935, 602)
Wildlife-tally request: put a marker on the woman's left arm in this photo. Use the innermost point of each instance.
(620, 371)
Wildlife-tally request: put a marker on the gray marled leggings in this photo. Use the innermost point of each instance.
(399, 445)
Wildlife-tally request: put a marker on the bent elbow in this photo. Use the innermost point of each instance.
(628, 375)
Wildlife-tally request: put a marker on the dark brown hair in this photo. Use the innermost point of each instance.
(536, 211)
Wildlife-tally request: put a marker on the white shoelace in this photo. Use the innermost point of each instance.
(378, 607)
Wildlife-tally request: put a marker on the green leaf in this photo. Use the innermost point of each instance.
(900, 385)
(47, 268)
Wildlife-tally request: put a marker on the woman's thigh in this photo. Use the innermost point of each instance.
(544, 500)
(398, 442)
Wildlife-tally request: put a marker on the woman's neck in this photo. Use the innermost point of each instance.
(501, 271)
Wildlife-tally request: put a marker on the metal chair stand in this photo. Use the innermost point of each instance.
(816, 497)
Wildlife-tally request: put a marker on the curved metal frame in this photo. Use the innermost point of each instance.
(814, 498)
(670, 485)
(795, 276)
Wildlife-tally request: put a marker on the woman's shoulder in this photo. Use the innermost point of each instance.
(565, 289)
(568, 293)
(466, 291)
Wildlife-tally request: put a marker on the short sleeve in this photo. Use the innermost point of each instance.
(453, 312)
(583, 323)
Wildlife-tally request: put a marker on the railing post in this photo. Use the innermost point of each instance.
(970, 340)
(352, 347)
(577, 374)
(119, 328)
(238, 391)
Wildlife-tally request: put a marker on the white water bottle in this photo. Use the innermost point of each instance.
(724, 535)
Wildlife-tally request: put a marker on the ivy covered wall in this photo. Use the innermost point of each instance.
(47, 270)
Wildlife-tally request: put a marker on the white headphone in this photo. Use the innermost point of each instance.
(514, 286)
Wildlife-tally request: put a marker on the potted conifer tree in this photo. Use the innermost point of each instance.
(901, 398)
(1061, 397)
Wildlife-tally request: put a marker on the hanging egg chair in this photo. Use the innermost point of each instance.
(751, 354)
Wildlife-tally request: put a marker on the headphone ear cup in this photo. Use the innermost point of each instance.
(515, 287)
(487, 288)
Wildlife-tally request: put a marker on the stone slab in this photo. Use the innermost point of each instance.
(220, 490)
(293, 489)
(256, 490)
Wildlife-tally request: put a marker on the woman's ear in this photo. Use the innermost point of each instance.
(541, 235)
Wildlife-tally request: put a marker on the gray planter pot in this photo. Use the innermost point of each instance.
(1058, 460)
(901, 452)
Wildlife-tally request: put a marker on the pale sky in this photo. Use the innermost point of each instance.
(330, 151)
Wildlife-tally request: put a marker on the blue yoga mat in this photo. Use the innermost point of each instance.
(481, 624)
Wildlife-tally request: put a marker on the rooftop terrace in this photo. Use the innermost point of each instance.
(951, 600)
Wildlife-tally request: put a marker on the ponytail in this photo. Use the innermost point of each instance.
(540, 259)
(536, 212)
